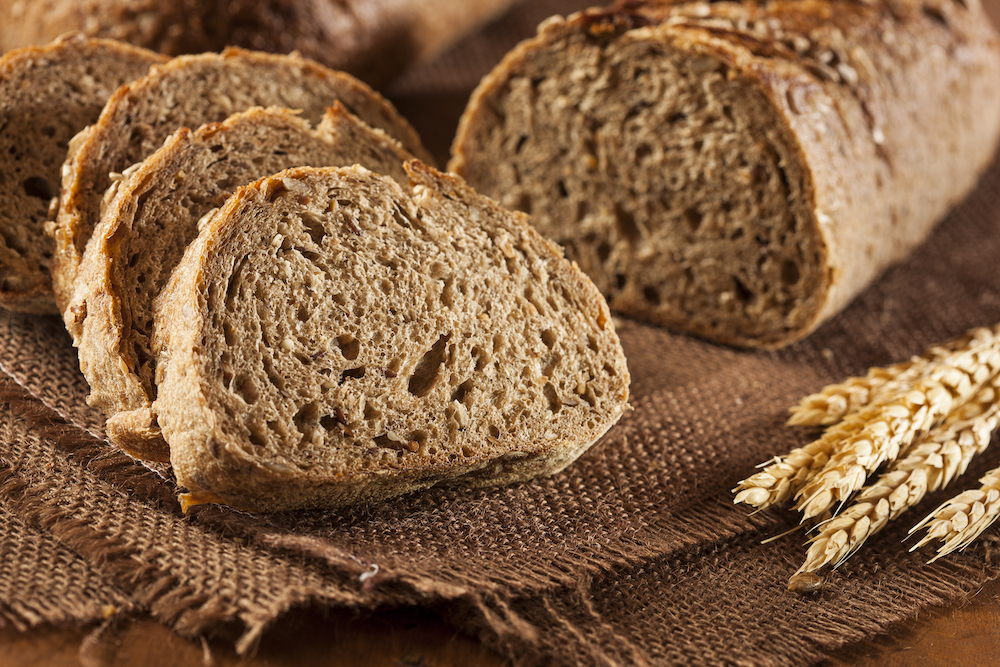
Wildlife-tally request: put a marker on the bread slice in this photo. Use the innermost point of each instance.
(739, 171)
(155, 214)
(187, 92)
(47, 95)
(332, 337)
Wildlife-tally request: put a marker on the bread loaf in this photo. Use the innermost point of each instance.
(739, 171)
(186, 92)
(47, 94)
(154, 215)
(331, 337)
(372, 39)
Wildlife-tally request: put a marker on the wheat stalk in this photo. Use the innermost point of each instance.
(963, 518)
(893, 425)
(836, 401)
(784, 477)
(780, 480)
(930, 465)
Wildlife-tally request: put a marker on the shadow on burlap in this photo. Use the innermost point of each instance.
(634, 555)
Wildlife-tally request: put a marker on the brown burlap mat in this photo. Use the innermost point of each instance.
(634, 555)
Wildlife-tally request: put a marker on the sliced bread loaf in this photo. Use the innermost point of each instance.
(372, 39)
(739, 171)
(47, 95)
(154, 214)
(187, 92)
(332, 337)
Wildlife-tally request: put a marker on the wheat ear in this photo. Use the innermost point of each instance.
(836, 401)
(783, 477)
(929, 465)
(963, 518)
(892, 426)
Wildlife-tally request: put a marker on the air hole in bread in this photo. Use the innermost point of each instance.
(257, 435)
(529, 294)
(349, 346)
(549, 338)
(462, 390)
(314, 227)
(693, 218)
(651, 295)
(371, 412)
(352, 374)
(552, 396)
(480, 357)
(448, 293)
(790, 272)
(550, 363)
(425, 374)
(742, 292)
(243, 385)
(627, 227)
(272, 375)
(36, 186)
(306, 417)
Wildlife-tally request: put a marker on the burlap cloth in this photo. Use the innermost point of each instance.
(634, 555)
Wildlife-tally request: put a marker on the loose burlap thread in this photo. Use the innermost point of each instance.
(634, 555)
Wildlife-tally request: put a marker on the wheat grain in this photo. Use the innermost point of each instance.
(962, 519)
(836, 401)
(893, 425)
(928, 466)
(780, 480)
(785, 476)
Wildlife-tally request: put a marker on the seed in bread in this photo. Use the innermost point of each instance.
(332, 337)
(187, 92)
(47, 95)
(739, 171)
(155, 213)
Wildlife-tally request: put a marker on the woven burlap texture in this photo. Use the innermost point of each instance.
(634, 555)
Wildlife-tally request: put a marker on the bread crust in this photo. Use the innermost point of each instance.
(888, 111)
(152, 218)
(47, 94)
(141, 115)
(210, 451)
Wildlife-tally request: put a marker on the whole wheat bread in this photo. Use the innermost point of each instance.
(332, 337)
(372, 39)
(739, 171)
(187, 92)
(154, 214)
(47, 95)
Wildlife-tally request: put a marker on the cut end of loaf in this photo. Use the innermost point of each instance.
(332, 338)
(665, 171)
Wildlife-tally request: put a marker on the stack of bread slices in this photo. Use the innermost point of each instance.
(271, 288)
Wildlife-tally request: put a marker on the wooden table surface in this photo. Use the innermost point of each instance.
(965, 634)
